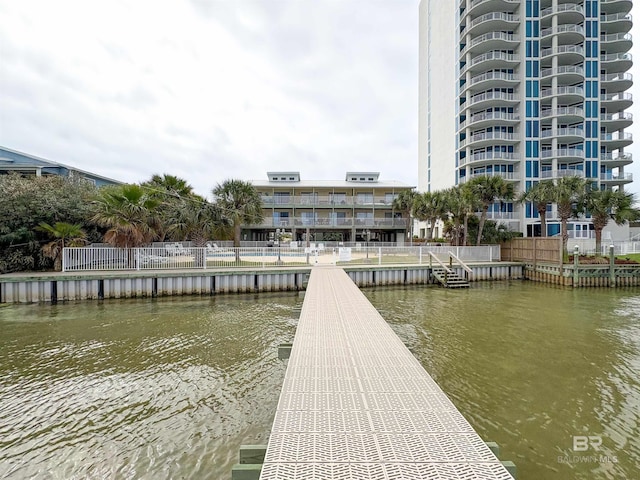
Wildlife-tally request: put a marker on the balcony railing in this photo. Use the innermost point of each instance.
(562, 49)
(568, 28)
(507, 37)
(616, 37)
(326, 201)
(327, 222)
(561, 173)
(616, 136)
(623, 177)
(562, 70)
(616, 17)
(563, 132)
(612, 97)
(549, 92)
(494, 76)
(572, 111)
(609, 157)
(562, 152)
(506, 17)
(616, 57)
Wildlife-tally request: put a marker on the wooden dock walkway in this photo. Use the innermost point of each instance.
(356, 404)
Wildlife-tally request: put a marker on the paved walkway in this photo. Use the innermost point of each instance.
(356, 404)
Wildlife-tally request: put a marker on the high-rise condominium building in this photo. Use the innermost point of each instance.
(528, 90)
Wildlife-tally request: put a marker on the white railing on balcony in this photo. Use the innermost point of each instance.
(561, 173)
(506, 17)
(495, 55)
(549, 92)
(332, 222)
(495, 76)
(616, 136)
(477, 157)
(477, 2)
(610, 157)
(625, 177)
(493, 95)
(614, 77)
(565, 7)
(552, 112)
(616, 57)
(328, 201)
(507, 37)
(82, 259)
(567, 28)
(614, 97)
(479, 117)
(616, 17)
(545, 52)
(562, 152)
(616, 37)
(562, 132)
(612, 117)
(574, 69)
(505, 175)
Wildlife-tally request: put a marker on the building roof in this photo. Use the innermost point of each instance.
(13, 160)
(364, 180)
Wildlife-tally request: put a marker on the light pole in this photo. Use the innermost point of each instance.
(278, 237)
(367, 236)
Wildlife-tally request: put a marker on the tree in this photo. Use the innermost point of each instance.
(403, 203)
(129, 212)
(197, 220)
(605, 205)
(28, 201)
(65, 235)
(567, 192)
(429, 207)
(487, 190)
(240, 204)
(166, 184)
(541, 194)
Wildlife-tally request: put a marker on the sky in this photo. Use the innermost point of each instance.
(210, 90)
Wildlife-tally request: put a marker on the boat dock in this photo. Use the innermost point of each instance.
(356, 404)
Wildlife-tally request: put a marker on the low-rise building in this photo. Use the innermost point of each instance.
(356, 209)
(25, 164)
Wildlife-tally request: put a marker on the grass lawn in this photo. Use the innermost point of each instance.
(630, 256)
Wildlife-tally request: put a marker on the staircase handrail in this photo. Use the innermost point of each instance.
(432, 256)
(461, 263)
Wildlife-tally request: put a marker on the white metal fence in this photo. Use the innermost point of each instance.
(174, 257)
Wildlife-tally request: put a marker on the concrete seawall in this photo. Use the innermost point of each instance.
(58, 287)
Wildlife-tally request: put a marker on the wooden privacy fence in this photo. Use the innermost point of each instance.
(532, 250)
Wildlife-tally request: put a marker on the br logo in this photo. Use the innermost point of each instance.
(582, 443)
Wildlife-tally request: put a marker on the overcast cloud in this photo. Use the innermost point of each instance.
(210, 90)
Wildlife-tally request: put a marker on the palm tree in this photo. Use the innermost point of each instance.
(404, 203)
(241, 204)
(487, 190)
(166, 184)
(605, 205)
(197, 220)
(567, 192)
(65, 235)
(541, 194)
(460, 203)
(129, 212)
(429, 207)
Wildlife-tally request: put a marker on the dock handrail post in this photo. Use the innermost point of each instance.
(137, 258)
(379, 255)
(420, 255)
(576, 262)
(612, 266)
(264, 257)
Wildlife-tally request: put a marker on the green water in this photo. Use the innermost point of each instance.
(171, 388)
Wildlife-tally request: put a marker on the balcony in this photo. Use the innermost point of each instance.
(616, 82)
(616, 178)
(616, 140)
(615, 23)
(492, 41)
(566, 74)
(493, 22)
(564, 94)
(489, 118)
(567, 13)
(567, 34)
(616, 62)
(567, 54)
(616, 42)
(509, 176)
(319, 201)
(333, 223)
(615, 6)
(497, 99)
(564, 135)
(616, 121)
(489, 138)
(616, 101)
(491, 60)
(611, 160)
(567, 172)
(501, 157)
(564, 114)
(565, 153)
(481, 7)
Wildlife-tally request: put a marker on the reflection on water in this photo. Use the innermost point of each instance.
(532, 366)
(171, 388)
(139, 389)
